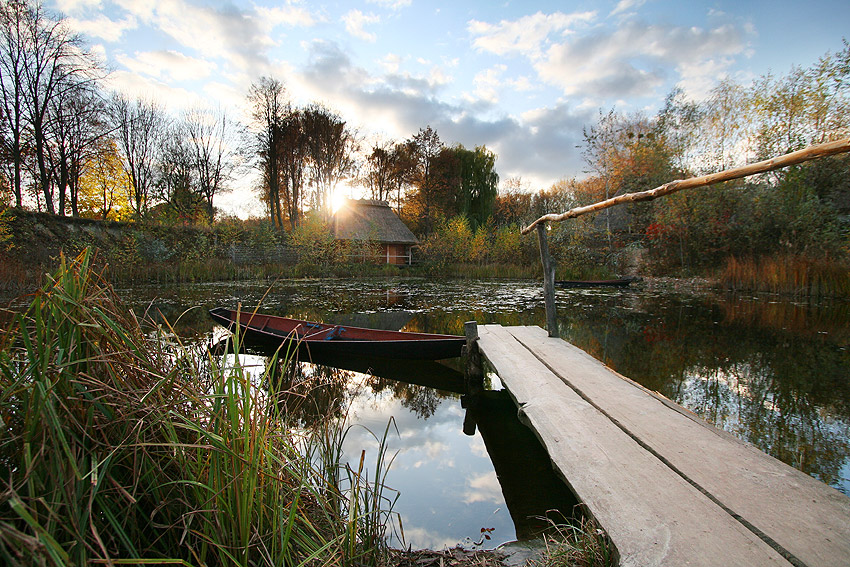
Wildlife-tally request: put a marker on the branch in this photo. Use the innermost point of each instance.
(800, 156)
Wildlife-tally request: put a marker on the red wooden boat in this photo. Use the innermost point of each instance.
(326, 339)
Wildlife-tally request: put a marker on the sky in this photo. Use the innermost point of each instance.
(523, 78)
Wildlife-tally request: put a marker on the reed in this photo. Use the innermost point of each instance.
(124, 446)
(793, 275)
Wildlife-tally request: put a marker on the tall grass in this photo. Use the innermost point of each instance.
(125, 447)
(578, 543)
(787, 274)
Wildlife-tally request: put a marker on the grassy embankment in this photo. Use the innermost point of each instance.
(150, 253)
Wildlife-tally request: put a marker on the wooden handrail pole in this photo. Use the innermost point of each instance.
(548, 281)
(800, 156)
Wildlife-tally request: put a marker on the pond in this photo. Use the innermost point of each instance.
(775, 373)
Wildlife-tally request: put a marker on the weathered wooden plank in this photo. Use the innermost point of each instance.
(806, 517)
(653, 516)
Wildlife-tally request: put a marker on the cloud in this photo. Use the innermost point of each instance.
(240, 37)
(173, 99)
(167, 65)
(626, 5)
(527, 35)
(391, 4)
(483, 488)
(75, 6)
(103, 27)
(538, 146)
(634, 59)
(355, 22)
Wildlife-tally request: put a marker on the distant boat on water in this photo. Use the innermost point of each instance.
(622, 282)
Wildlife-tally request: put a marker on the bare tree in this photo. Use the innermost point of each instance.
(209, 135)
(176, 179)
(76, 125)
(330, 149)
(55, 61)
(138, 127)
(12, 55)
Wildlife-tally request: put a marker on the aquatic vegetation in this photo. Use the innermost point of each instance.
(787, 274)
(120, 445)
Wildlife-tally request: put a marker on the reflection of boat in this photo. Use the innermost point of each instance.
(324, 338)
(622, 282)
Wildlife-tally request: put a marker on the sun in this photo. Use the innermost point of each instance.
(340, 196)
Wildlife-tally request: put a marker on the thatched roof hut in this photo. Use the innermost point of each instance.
(365, 219)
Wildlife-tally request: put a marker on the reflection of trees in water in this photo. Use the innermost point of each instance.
(777, 376)
(308, 394)
(421, 400)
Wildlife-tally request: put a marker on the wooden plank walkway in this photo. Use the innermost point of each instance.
(668, 488)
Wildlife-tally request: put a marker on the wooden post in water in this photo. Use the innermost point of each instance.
(473, 376)
(548, 281)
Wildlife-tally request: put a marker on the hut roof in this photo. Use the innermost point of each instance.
(365, 219)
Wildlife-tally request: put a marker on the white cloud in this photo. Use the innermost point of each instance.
(103, 27)
(527, 35)
(355, 23)
(391, 4)
(390, 63)
(286, 16)
(633, 59)
(626, 5)
(173, 99)
(74, 6)
(483, 488)
(241, 37)
(168, 65)
(488, 82)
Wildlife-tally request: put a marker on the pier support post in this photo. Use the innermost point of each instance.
(548, 281)
(474, 375)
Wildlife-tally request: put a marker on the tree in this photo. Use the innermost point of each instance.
(177, 179)
(425, 147)
(13, 52)
(76, 126)
(292, 154)
(43, 66)
(212, 151)
(479, 184)
(55, 63)
(268, 109)
(103, 185)
(379, 171)
(138, 127)
(330, 149)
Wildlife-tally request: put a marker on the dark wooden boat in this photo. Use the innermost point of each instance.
(323, 339)
(623, 282)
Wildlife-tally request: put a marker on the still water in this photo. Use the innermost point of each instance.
(773, 372)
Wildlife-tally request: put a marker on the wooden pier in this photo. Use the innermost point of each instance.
(668, 488)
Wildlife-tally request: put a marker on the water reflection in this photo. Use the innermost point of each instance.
(774, 373)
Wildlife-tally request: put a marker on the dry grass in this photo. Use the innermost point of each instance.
(788, 275)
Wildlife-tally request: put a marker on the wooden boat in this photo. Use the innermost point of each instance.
(622, 282)
(324, 339)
